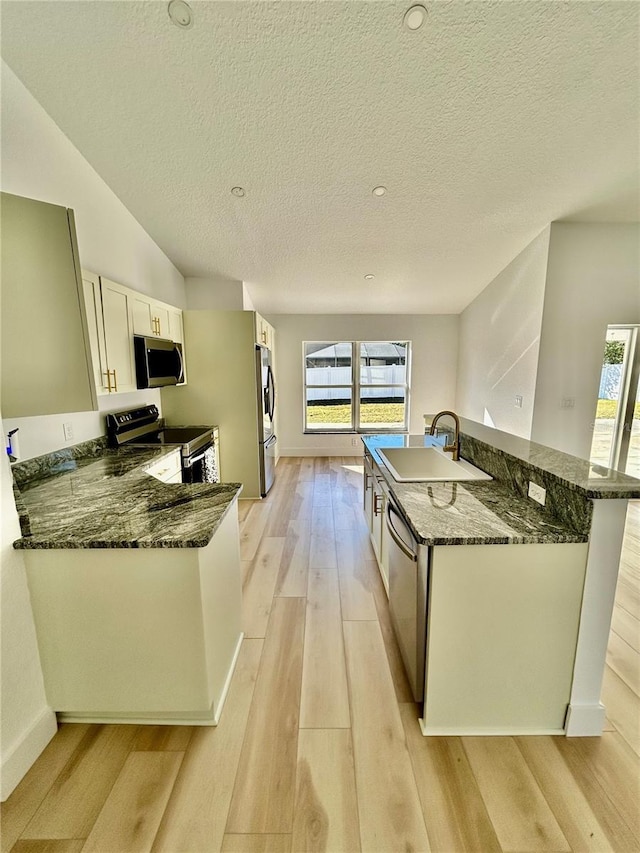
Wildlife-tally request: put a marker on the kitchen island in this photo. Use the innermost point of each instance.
(135, 585)
(509, 629)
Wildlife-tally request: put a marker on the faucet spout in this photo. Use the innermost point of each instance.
(454, 447)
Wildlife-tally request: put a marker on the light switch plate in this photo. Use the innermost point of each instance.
(537, 493)
(518, 401)
(68, 431)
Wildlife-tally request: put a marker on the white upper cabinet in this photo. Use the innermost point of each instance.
(114, 314)
(151, 317)
(141, 316)
(118, 336)
(45, 362)
(265, 334)
(95, 329)
(175, 326)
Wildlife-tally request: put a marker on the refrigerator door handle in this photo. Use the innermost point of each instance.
(271, 440)
(271, 392)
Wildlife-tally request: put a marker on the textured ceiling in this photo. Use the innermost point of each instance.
(485, 125)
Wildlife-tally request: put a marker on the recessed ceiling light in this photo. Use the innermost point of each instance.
(181, 14)
(369, 276)
(237, 191)
(379, 190)
(415, 17)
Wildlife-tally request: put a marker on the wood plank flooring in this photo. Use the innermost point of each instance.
(319, 747)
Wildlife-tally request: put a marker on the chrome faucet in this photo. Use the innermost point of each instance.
(455, 447)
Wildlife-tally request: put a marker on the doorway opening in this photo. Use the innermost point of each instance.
(616, 433)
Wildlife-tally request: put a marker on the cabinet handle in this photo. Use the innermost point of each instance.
(378, 510)
(156, 325)
(115, 381)
(107, 373)
(264, 337)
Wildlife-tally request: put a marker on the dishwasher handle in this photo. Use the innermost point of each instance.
(396, 536)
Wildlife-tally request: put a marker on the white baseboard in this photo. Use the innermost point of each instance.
(323, 451)
(210, 717)
(220, 705)
(585, 720)
(501, 731)
(24, 753)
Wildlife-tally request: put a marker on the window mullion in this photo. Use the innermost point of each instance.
(355, 385)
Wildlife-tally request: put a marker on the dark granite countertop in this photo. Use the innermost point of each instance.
(593, 480)
(469, 513)
(107, 500)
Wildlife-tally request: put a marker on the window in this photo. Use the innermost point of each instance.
(356, 386)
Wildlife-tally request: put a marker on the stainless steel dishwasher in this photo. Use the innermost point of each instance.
(408, 596)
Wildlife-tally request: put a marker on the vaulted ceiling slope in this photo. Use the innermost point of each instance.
(487, 123)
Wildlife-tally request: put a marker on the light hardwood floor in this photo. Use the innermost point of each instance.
(319, 747)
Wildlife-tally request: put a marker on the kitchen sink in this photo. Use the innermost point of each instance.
(427, 465)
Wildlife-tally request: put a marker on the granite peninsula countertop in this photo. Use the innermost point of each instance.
(589, 478)
(468, 513)
(107, 500)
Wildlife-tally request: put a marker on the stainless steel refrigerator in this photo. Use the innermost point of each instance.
(229, 385)
(266, 410)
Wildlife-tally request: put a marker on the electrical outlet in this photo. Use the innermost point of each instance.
(518, 401)
(537, 493)
(568, 403)
(354, 442)
(68, 431)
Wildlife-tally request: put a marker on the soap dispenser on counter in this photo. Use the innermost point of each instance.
(13, 446)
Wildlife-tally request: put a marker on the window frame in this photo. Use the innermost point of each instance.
(356, 388)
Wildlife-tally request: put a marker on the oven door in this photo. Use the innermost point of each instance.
(203, 466)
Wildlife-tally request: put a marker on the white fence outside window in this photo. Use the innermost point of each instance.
(390, 374)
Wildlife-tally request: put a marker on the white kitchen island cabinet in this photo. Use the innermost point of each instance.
(146, 635)
(376, 495)
(513, 598)
(502, 625)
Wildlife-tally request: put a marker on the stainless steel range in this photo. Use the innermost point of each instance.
(143, 427)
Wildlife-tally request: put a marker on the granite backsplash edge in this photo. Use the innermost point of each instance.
(43, 466)
(567, 505)
(48, 463)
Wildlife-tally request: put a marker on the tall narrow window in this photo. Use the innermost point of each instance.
(356, 386)
(329, 398)
(384, 389)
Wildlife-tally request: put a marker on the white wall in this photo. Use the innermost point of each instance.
(434, 341)
(38, 161)
(214, 294)
(27, 722)
(44, 433)
(593, 280)
(499, 343)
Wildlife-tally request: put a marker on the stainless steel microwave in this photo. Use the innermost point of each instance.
(158, 362)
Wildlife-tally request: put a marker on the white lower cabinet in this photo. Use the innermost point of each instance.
(502, 627)
(145, 635)
(168, 469)
(375, 505)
